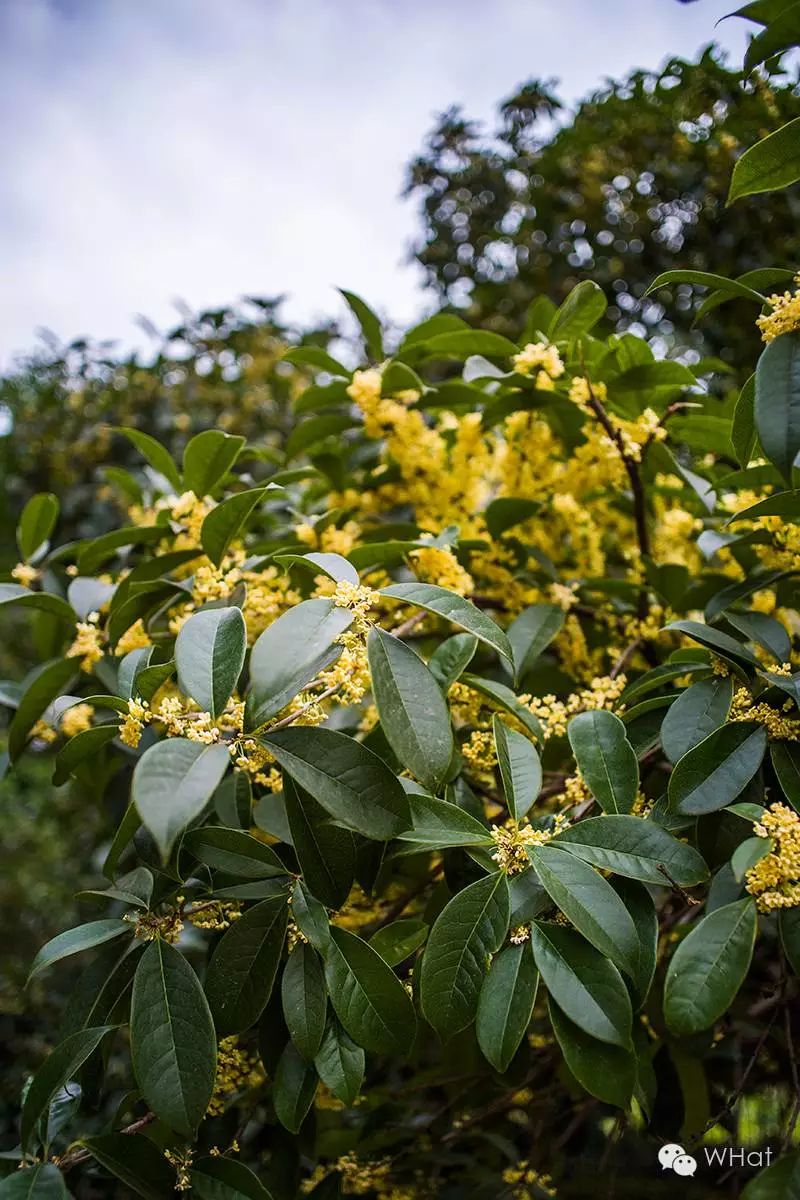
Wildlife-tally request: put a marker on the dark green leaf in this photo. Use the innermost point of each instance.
(340, 1063)
(603, 1070)
(15, 593)
(73, 941)
(353, 784)
(223, 1178)
(242, 969)
(291, 652)
(411, 707)
(438, 823)
(635, 848)
(504, 698)
(81, 746)
(452, 608)
(520, 768)
(743, 431)
(173, 1044)
(325, 852)
(506, 1004)
(207, 459)
(708, 968)
(50, 681)
(461, 344)
(227, 520)
(367, 997)
(713, 639)
(506, 512)
(398, 941)
(605, 758)
(172, 783)
(59, 1066)
(451, 657)
(305, 1000)
(789, 925)
(587, 986)
(234, 852)
(590, 903)
(697, 712)
(777, 402)
(469, 929)
(311, 917)
(135, 1161)
(42, 1182)
(713, 774)
(209, 656)
(531, 633)
(706, 279)
(785, 758)
(293, 1088)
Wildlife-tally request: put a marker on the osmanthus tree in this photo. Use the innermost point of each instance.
(451, 782)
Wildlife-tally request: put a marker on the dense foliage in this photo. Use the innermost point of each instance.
(440, 789)
(633, 184)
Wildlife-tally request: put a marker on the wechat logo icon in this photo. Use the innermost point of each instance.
(674, 1158)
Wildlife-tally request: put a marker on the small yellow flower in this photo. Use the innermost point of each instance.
(25, 574)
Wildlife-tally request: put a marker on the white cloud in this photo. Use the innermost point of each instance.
(202, 150)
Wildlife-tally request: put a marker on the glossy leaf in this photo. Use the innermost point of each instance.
(520, 768)
(531, 633)
(207, 459)
(73, 941)
(635, 848)
(325, 852)
(505, 1005)
(367, 997)
(44, 1181)
(353, 784)
(469, 929)
(340, 1063)
(770, 164)
(234, 852)
(587, 986)
(589, 902)
(209, 656)
(397, 941)
(603, 1070)
(173, 1043)
(135, 1160)
(411, 707)
(242, 970)
(227, 519)
(714, 773)
(305, 1000)
(156, 454)
(50, 682)
(222, 1178)
(59, 1066)
(172, 783)
(455, 609)
(708, 968)
(290, 653)
(777, 402)
(293, 1088)
(697, 712)
(605, 758)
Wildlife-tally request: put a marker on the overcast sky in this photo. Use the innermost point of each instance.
(154, 149)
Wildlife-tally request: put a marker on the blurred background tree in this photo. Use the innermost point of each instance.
(630, 184)
(222, 368)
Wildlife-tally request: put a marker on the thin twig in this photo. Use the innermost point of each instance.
(409, 624)
(73, 1157)
(292, 717)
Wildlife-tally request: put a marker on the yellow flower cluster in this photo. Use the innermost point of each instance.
(512, 841)
(542, 358)
(76, 719)
(24, 574)
(147, 926)
(527, 1183)
(366, 1177)
(784, 316)
(88, 643)
(554, 714)
(214, 914)
(775, 879)
(237, 1069)
(479, 751)
(779, 727)
(438, 564)
(135, 638)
